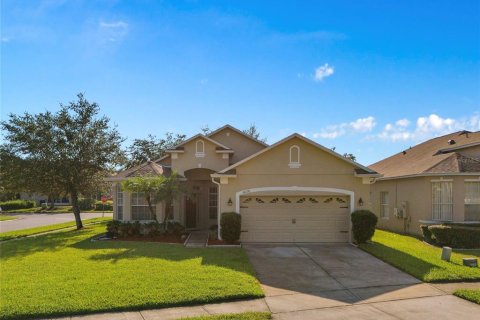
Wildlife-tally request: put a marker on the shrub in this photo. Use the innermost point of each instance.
(85, 203)
(427, 234)
(363, 225)
(17, 204)
(113, 228)
(100, 206)
(152, 229)
(231, 224)
(175, 228)
(129, 229)
(456, 236)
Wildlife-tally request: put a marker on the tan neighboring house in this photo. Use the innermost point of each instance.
(292, 191)
(435, 181)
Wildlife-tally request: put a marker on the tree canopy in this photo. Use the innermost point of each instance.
(151, 148)
(69, 151)
(253, 132)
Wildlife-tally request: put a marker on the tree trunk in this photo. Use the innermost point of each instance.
(76, 211)
(152, 212)
(167, 215)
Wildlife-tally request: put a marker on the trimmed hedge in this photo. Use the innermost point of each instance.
(363, 225)
(86, 203)
(17, 204)
(427, 234)
(231, 224)
(120, 229)
(99, 206)
(456, 236)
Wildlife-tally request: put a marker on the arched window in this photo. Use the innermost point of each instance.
(200, 149)
(294, 157)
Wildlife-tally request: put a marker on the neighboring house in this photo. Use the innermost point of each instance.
(292, 191)
(435, 181)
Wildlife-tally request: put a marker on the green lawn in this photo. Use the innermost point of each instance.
(238, 316)
(419, 259)
(28, 232)
(469, 294)
(65, 273)
(4, 217)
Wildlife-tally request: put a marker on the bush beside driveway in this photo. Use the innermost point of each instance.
(65, 273)
(420, 259)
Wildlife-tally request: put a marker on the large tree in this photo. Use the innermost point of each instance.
(151, 148)
(253, 132)
(71, 151)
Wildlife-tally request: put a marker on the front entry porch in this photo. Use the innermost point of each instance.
(199, 205)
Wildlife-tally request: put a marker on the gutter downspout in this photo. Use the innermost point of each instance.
(218, 210)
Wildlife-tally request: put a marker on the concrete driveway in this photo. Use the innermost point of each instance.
(26, 221)
(339, 281)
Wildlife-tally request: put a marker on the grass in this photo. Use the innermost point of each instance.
(28, 232)
(64, 273)
(419, 259)
(469, 294)
(238, 316)
(62, 209)
(4, 217)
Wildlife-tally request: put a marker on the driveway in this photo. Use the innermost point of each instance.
(25, 221)
(339, 281)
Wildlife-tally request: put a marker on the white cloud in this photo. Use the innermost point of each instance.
(403, 123)
(115, 24)
(113, 31)
(363, 124)
(5, 39)
(323, 72)
(426, 127)
(357, 126)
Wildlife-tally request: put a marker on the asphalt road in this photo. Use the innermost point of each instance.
(26, 221)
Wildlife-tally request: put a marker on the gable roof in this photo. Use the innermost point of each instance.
(438, 155)
(218, 144)
(227, 126)
(313, 143)
(149, 168)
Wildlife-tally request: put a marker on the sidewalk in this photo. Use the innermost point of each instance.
(256, 305)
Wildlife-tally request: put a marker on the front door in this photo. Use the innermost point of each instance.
(191, 213)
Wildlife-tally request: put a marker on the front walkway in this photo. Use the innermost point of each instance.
(197, 239)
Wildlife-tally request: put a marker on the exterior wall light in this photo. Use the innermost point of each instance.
(360, 202)
(230, 202)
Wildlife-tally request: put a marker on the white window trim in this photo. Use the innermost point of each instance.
(200, 153)
(385, 205)
(119, 203)
(216, 201)
(442, 203)
(294, 164)
(139, 205)
(475, 203)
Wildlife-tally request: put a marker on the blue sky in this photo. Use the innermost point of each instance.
(369, 77)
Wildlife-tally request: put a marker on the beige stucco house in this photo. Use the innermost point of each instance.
(435, 181)
(292, 191)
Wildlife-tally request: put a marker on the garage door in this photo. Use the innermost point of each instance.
(295, 218)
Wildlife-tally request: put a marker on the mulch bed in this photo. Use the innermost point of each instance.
(166, 238)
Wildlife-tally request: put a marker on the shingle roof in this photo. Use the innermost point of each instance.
(148, 168)
(425, 157)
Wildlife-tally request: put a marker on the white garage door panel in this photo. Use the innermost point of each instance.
(295, 218)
